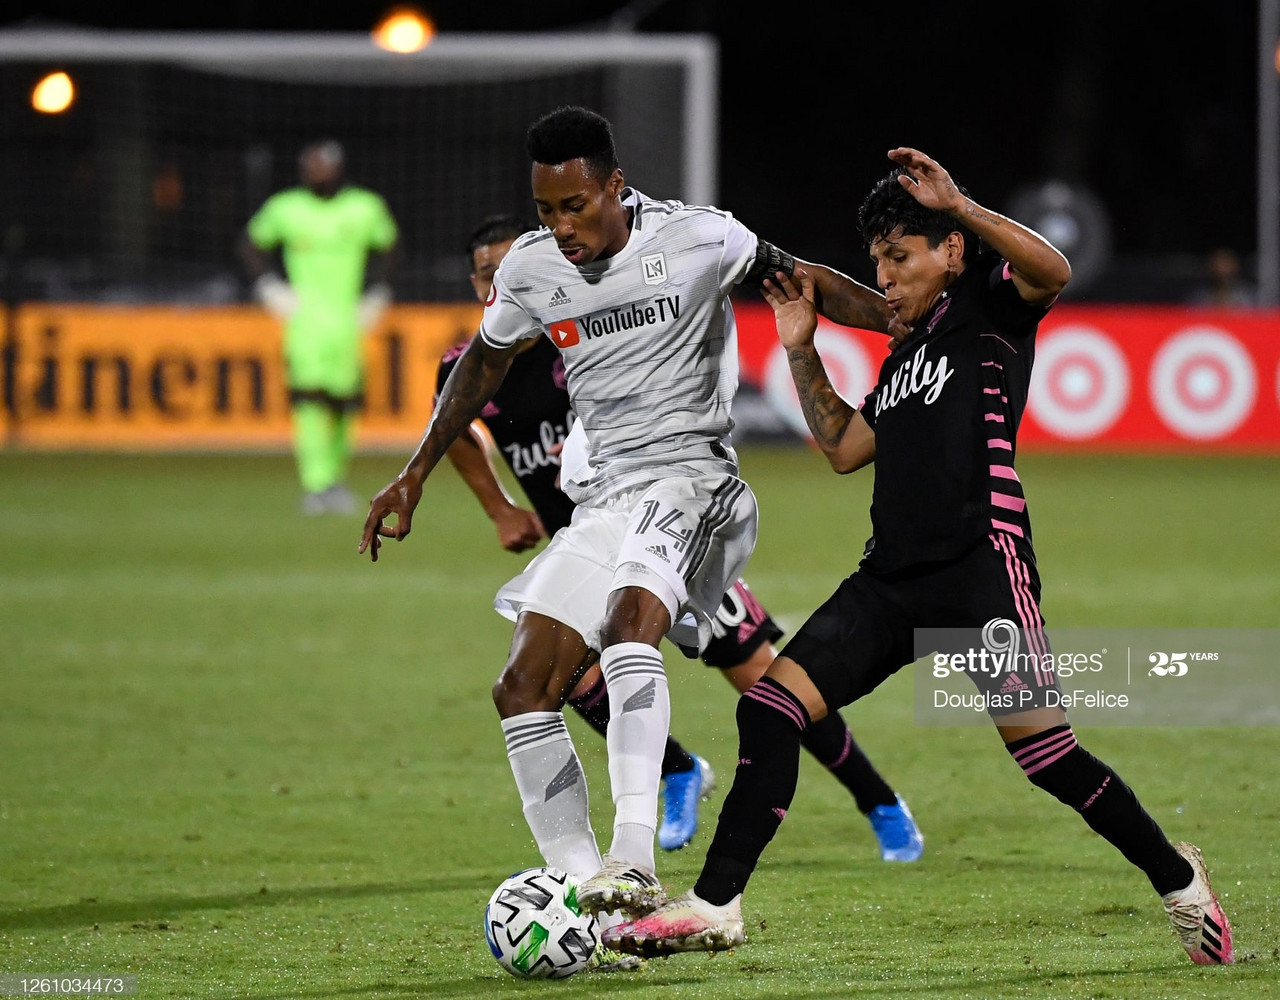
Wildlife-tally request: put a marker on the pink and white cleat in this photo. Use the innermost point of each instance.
(1198, 921)
(685, 923)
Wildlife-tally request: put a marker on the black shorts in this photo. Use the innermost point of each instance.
(865, 632)
(741, 626)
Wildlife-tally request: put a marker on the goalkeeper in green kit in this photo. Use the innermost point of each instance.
(337, 243)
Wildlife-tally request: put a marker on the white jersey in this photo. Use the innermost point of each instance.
(647, 336)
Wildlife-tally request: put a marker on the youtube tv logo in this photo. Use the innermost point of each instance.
(564, 333)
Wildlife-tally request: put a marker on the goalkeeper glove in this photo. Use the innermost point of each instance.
(276, 296)
(373, 303)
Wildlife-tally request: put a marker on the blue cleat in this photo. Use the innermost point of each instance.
(681, 794)
(895, 827)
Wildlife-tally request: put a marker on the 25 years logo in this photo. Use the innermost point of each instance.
(1168, 664)
(1175, 664)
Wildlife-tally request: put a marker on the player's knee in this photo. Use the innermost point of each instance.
(519, 690)
(634, 615)
(770, 712)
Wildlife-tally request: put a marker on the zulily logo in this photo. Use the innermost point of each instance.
(915, 376)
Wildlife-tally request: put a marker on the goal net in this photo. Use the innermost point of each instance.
(139, 191)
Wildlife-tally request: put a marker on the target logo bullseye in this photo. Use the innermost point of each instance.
(1080, 383)
(1203, 383)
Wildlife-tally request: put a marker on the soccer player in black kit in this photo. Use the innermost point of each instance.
(950, 546)
(527, 421)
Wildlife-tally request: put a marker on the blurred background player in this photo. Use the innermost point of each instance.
(332, 237)
(527, 421)
(1223, 284)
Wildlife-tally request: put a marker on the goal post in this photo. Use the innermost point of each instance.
(140, 189)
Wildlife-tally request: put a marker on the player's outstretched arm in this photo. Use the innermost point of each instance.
(518, 529)
(1038, 268)
(842, 300)
(471, 384)
(838, 429)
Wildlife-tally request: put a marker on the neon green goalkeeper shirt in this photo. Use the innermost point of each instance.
(324, 243)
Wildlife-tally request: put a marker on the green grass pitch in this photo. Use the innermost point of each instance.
(240, 761)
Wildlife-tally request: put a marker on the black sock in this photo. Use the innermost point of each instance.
(593, 706)
(770, 721)
(831, 742)
(1054, 761)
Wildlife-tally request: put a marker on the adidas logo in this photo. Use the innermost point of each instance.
(1013, 683)
(559, 298)
(660, 551)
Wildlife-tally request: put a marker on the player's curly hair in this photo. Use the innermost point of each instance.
(572, 132)
(495, 229)
(889, 208)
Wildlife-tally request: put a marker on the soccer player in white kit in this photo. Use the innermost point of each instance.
(636, 295)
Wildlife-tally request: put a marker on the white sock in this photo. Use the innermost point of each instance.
(639, 719)
(553, 791)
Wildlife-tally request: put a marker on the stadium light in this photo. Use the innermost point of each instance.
(53, 94)
(404, 29)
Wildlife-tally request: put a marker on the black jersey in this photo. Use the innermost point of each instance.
(945, 411)
(527, 416)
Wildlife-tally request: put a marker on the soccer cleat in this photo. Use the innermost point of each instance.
(686, 923)
(681, 794)
(606, 959)
(620, 886)
(895, 828)
(1198, 921)
(314, 504)
(339, 500)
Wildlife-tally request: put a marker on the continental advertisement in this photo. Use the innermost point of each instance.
(1105, 377)
(94, 377)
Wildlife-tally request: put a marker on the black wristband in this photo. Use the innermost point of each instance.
(769, 260)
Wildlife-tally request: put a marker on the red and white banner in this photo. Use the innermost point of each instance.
(1105, 377)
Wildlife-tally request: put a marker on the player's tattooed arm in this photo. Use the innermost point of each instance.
(1038, 270)
(837, 296)
(826, 413)
(471, 384)
(838, 429)
(842, 300)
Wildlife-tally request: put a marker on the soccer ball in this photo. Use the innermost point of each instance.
(535, 928)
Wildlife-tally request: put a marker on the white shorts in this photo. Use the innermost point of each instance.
(685, 540)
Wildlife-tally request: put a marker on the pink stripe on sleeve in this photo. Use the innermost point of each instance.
(1008, 502)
